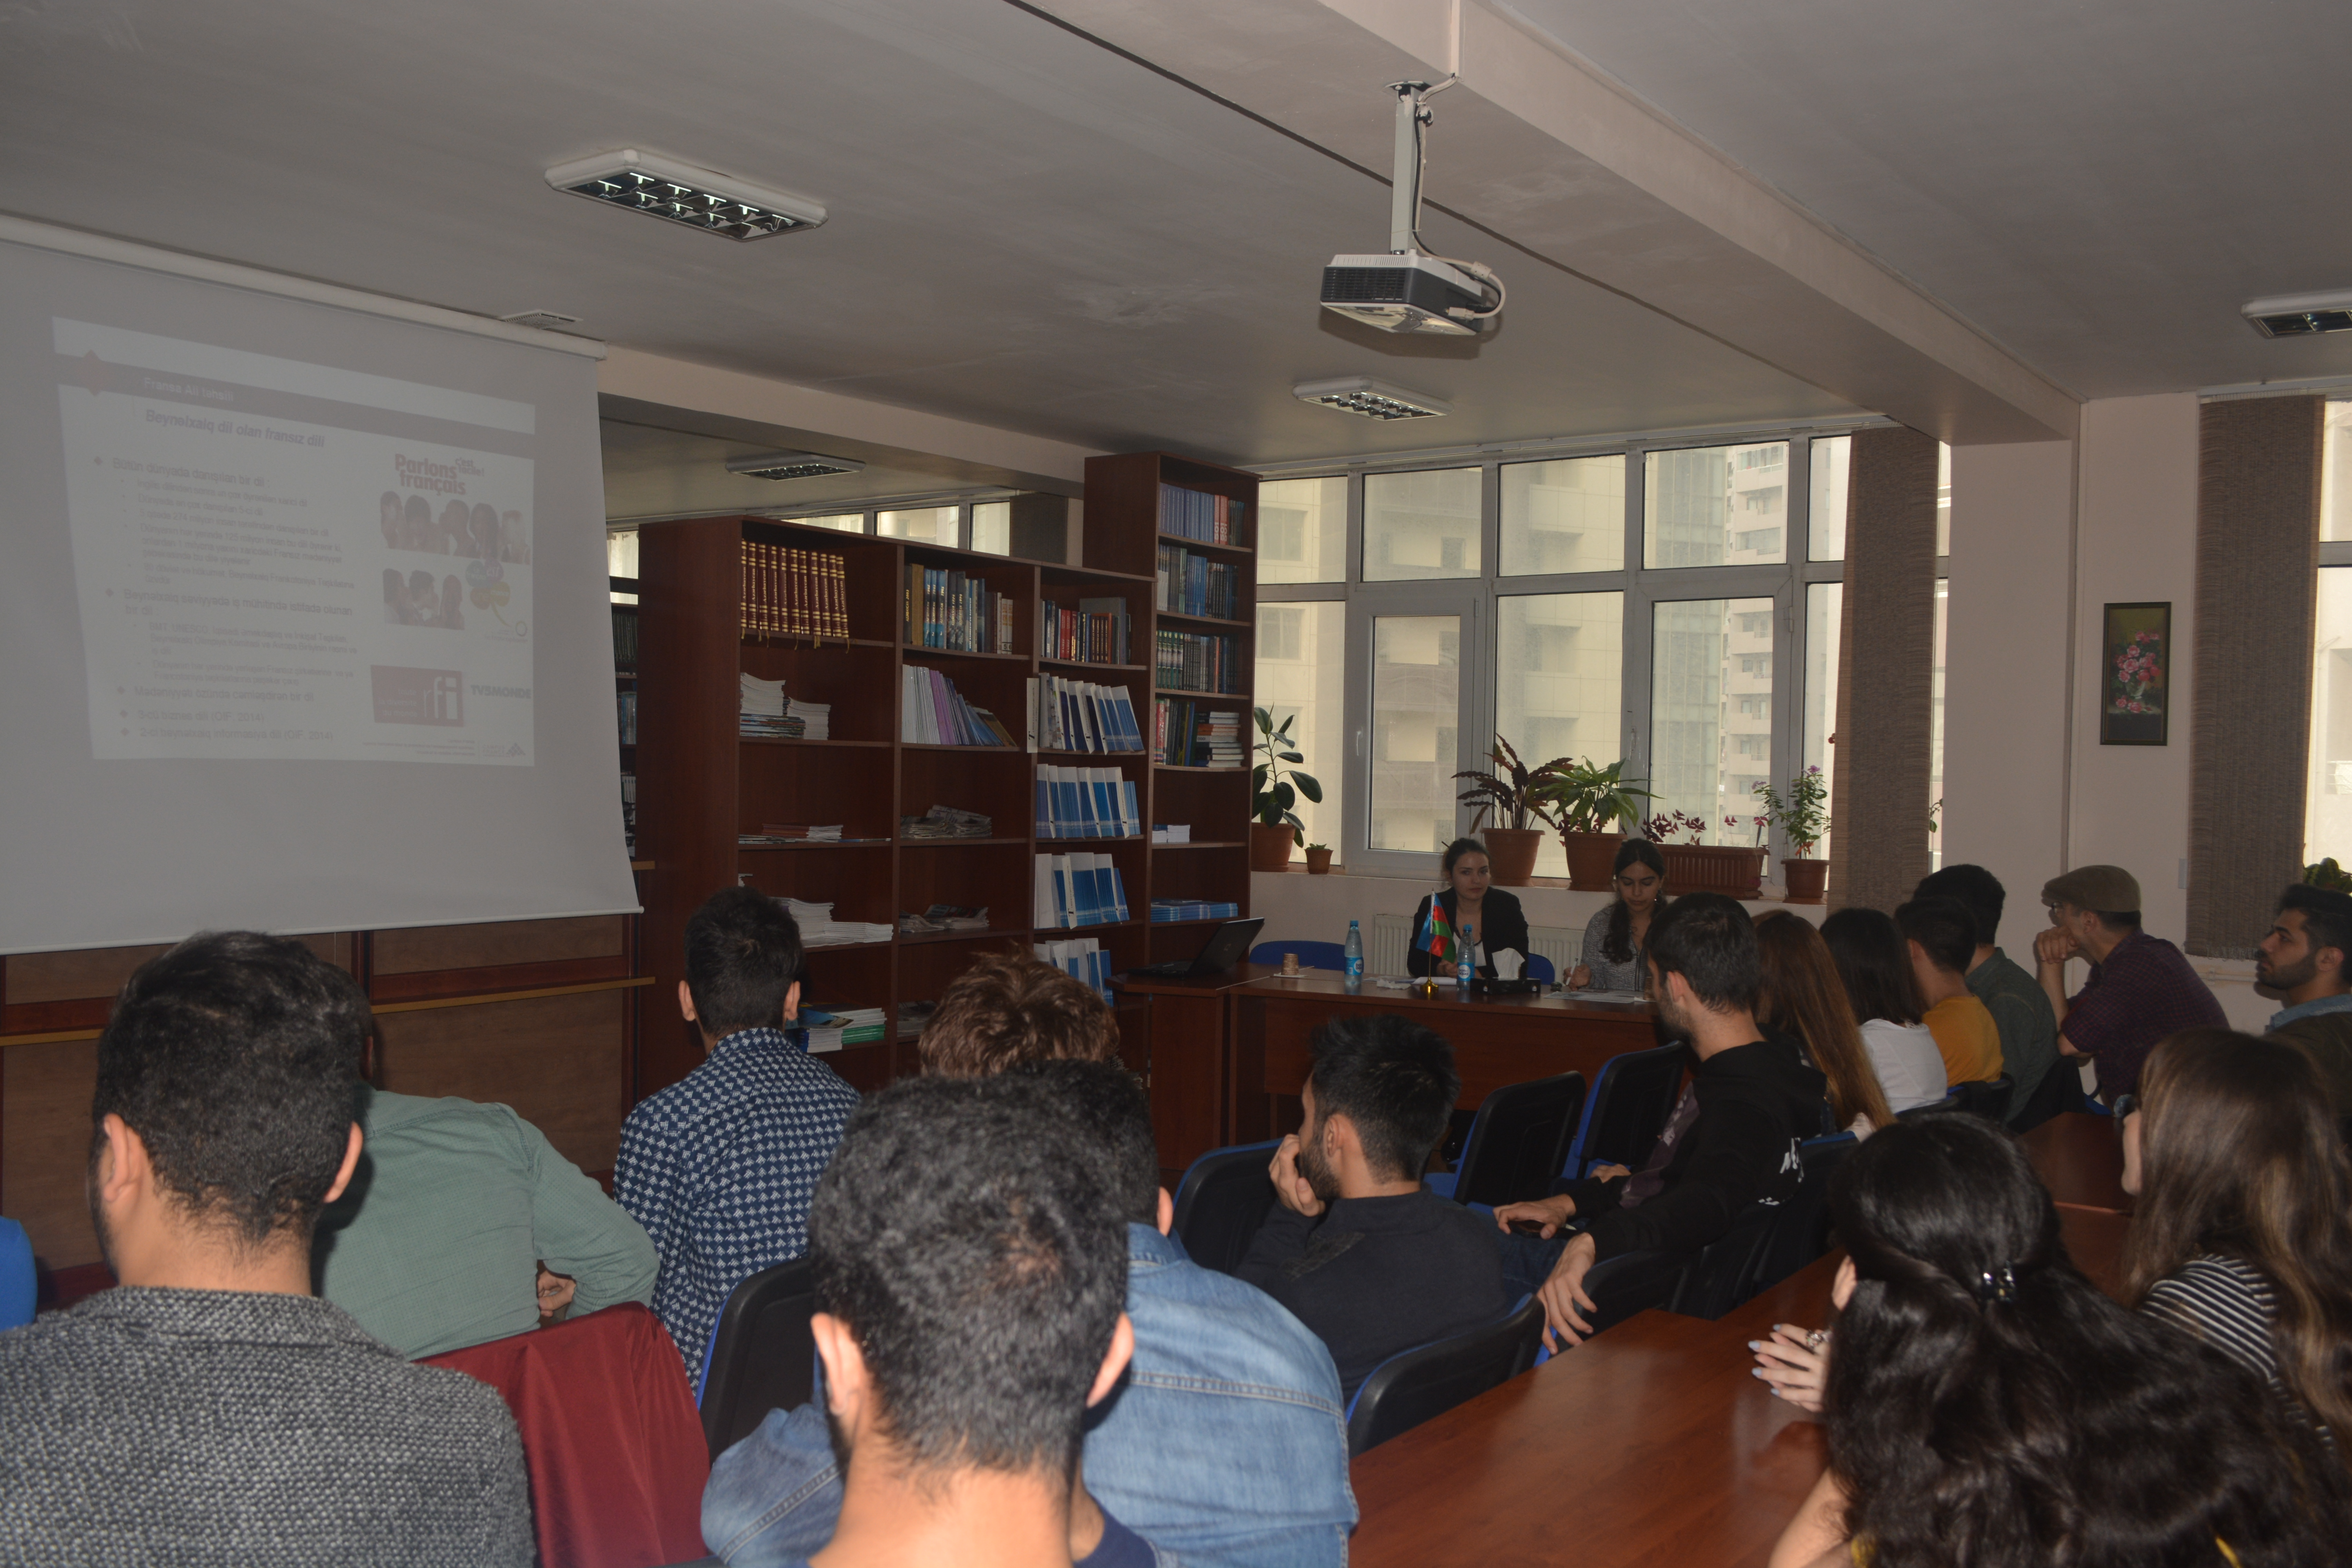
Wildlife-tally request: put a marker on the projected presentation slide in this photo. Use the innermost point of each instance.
(280, 559)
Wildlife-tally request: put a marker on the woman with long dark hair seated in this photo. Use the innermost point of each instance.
(2243, 1234)
(1804, 1000)
(1875, 967)
(1987, 1405)
(1613, 936)
(1469, 901)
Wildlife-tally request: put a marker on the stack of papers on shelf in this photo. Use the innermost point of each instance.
(824, 1030)
(945, 917)
(760, 699)
(1082, 957)
(912, 1016)
(761, 727)
(1172, 833)
(800, 830)
(1164, 911)
(947, 822)
(819, 929)
(780, 833)
(816, 718)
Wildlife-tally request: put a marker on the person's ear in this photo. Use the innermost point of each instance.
(1842, 1288)
(793, 1002)
(847, 1392)
(351, 1163)
(1167, 1211)
(686, 1003)
(122, 1165)
(1338, 1137)
(1678, 990)
(1114, 1362)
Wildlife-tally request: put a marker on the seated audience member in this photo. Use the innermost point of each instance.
(1356, 1246)
(1613, 936)
(1732, 1143)
(1988, 1404)
(2028, 1030)
(1226, 1444)
(970, 1264)
(718, 1167)
(1875, 966)
(1940, 937)
(210, 1409)
(1803, 1000)
(2242, 1233)
(2140, 988)
(435, 1244)
(2303, 958)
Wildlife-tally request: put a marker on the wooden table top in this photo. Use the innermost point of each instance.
(1196, 984)
(1324, 983)
(2080, 1159)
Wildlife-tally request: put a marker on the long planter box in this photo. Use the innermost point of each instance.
(1731, 869)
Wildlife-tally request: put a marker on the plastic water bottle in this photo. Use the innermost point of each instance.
(1463, 972)
(1355, 956)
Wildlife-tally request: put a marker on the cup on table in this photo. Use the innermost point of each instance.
(1290, 963)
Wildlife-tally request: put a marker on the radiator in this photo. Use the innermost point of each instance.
(1384, 951)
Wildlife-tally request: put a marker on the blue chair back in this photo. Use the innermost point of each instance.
(1540, 968)
(1631, 1097)
(20, 1286)
(1944, 1107)
(1518, 1140)
(1221, 1202)
(1632, 1282)
(1426, 1380)
(1986, 1098)
(1311, 955)
(1769, 1242)
(2060, 1090)
(761, 1355)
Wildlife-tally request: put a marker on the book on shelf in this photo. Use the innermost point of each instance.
(944, 917)
(819, 929)
(956, 611)
(627, 704)
(1197, 661)
(624, 638)
(1187, 734)
(1094, 631)
(1082, 957)
(1172, 833)
(1081, 716)
(823, 1029)
(763, 712)
(1087, 803)
(629, 813)
(947, 822)
(1077, 889)
(912, 1016)
(789, 591)
(775, 833)
(1197, 514)
(931, 712)
(1190, 584)
(1167, 910)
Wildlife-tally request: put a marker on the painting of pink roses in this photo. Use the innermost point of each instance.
(2136, 670)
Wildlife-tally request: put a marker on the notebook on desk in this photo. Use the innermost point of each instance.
(1224, 948)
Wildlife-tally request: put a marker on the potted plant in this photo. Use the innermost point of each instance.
(1275, 789)
(1737, 869)
(1591, 802)
(1802, 817)
(1318, 859)
(1513, 794)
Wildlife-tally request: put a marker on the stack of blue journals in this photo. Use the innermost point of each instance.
(1164, 911)
(1078, 889)
(1081, 716)
(1080, 956)
(1087, 803)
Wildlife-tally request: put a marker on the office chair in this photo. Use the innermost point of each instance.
(1221, 1202)
(1332, 955)
(1631, 1099)
(1769, 1242)
(761, 1356)
(1516, 1144)
(1413, 1386)
(1987, 1098)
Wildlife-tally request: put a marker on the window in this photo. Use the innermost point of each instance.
(930, 524)
(1422, 525)
(1567, 516)
(1558, 682)
(1281, 633)
(1302, 530)
(991, 527)
(1936, 732)
(621, 561)
(1688, 498)
(1824, 613)
(1301, 667)
(2328, 797)
(1416, 739)
(842, 522)
(1709, 748)
(1827, 514)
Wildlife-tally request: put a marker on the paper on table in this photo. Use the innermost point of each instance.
(1507, 963)
(1619, 997)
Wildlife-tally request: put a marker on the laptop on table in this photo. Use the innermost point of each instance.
(1226, 946)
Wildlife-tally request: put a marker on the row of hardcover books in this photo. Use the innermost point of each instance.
(1087, 803)
(1166, 911)
(1196, 514)
(1190, 735)
(1191, 585)
(1079, 890)
(931, 712)
(627, 703)
(1078, 716)
(1082, 957)
(1095, 632)
(1197, 661)
(625, 638)
(954, 610)
(793, 593)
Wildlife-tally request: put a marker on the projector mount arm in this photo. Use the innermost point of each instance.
(1413, 117)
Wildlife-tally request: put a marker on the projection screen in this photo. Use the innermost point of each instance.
(305, 605)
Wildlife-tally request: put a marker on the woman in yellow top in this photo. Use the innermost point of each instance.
(1987, 1405)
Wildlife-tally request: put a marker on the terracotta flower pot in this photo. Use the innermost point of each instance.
(1592, 859)
(1733, 869)
(1806, 878)
(1511, 853)
(1270, 847)
(1318, 862)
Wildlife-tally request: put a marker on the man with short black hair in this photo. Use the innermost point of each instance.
(2140, 988)
(210, 1409)
(2029, 1029)
(2303, 959)
(1363, 1254)
(1730, 1143)
(970, 1267)
(1941, 937)
(718, 1167)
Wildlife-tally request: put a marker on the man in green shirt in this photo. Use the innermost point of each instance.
(436, 1243)
(2028, 1025)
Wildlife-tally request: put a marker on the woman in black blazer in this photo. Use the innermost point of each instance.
(1496, 921)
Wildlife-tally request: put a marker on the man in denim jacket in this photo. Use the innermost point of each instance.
(1226, 1443)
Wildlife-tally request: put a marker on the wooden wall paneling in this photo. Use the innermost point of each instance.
(553, 1058)
(45, 1098)
(497, 943)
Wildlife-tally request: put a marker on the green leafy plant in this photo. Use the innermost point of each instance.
(1802, 816)
(2328, 873)
(1275, 789)
(1513, 793)
(1588, 799)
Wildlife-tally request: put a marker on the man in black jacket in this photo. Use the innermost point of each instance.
(1732, 1141)
(1357, 1249)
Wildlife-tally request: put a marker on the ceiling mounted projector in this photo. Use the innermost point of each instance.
(791, 466)
(2300, 315)
(1407, 291)
(682, 193)
(1372, 399)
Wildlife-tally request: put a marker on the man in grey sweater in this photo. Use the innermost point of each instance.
(210, 1410)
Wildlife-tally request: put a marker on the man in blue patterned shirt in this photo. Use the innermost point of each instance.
(720, 1166)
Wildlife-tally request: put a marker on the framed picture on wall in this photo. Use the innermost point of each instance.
(2136, 675)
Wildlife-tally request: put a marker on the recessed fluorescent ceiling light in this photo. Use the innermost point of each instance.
(541, 319)
(698, 198)
(791, 466)
(2300, 315)
(1372, 399)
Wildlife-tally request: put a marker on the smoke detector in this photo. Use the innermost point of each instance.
(2300, 315)
(791, 466)
(1372, 399)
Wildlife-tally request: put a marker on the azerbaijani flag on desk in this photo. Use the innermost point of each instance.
(1437, 937)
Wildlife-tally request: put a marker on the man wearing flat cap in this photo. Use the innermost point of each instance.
(2140, 988)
